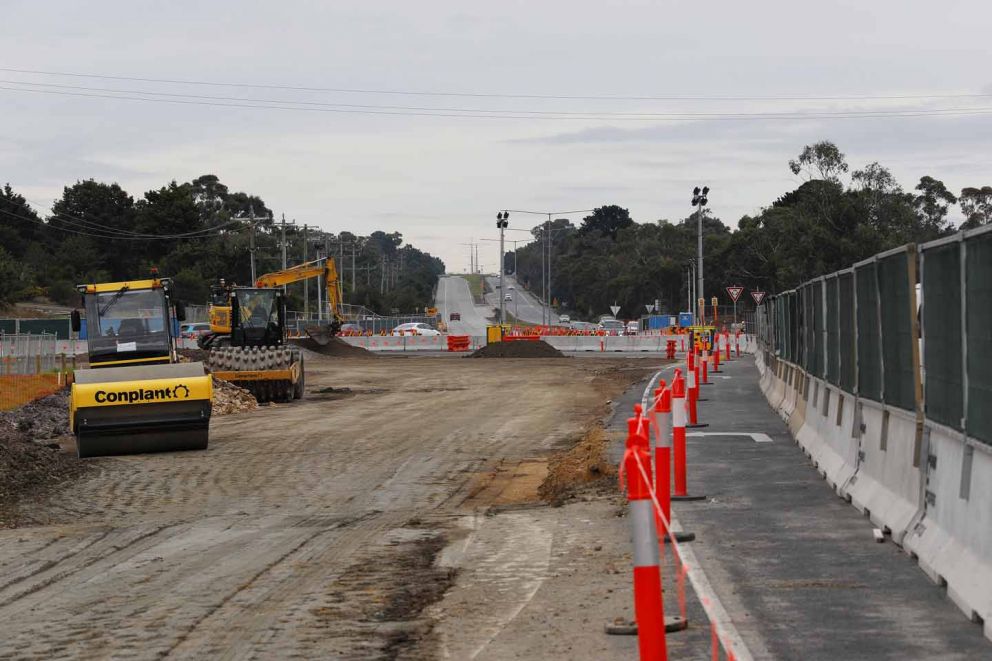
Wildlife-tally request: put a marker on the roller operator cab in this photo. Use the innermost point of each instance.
(135, 397)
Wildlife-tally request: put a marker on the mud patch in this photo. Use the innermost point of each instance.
(581, 465)
(331, 393)
(375, 608)
(508, 483)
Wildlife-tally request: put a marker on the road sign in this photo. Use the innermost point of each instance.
(758, 296)
(735, 292)
(615, 309)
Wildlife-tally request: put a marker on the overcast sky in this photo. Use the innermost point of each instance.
(439, 179)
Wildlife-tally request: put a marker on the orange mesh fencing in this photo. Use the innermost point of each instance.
(19, 389)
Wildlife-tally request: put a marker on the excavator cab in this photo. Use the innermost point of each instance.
(135, 397)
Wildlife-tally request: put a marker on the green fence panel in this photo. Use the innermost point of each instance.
(58, 327)
(978, 299)
(869, 341)
(818, 346)
(941, 286)
(833, 332)
(809, 330)
(847, 348)
(8, 325)
(899, 373)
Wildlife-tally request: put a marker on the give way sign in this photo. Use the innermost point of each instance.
(758, 296)
(735, 292)
(614, 309)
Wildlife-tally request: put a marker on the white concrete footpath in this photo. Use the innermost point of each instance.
(927, 486)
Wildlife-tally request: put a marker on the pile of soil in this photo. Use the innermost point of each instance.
(43, 419)
(335, 347)
(192, 355)
(578, 466)
(229, 398)
(528, 349)
(31, 460)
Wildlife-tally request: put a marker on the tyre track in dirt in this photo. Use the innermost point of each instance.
(284, 538)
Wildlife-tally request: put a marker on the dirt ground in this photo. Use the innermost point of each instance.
(351, 524)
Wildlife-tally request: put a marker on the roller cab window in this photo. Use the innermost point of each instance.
(127, 325)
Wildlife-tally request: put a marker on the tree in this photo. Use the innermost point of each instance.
(11, 282)
(976, 203)
(933, 202)
(822, 160)
(606, 221)
(19, 224)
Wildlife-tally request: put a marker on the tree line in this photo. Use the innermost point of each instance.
(195, 232)
(834, 218)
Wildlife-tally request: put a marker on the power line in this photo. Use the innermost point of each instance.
(564, 113)
(89, 228)
(493, 95)
(760, 116)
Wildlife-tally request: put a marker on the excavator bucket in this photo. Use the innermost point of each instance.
(132, 410)
(322, 335)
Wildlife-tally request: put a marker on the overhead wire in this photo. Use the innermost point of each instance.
(508, 114)
(494, 95)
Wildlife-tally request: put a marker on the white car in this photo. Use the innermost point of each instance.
(564, 319)
(507, 298)
(414, 329)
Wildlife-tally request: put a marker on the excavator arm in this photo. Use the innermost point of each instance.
(316, 269)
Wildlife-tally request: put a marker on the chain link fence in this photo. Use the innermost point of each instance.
(30, 367)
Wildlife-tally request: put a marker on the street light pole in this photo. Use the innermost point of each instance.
(699, 201)
(502, 222)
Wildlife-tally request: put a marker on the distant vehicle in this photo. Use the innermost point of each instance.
(498, 285)
(511, 287)
(455, 316)
(194, 330)
(633, 327)
(507, 298)
(417, 328)
(564, 319)
(612, 326)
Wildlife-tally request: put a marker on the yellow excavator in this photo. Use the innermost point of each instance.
(135, 396)
(247, 338)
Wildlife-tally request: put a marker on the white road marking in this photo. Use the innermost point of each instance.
(756, 436)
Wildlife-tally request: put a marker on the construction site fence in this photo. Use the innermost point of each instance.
(884, 373)
(31, 366)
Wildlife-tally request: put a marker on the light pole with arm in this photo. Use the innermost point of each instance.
(502, 222)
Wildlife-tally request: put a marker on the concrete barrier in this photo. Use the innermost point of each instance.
(952, 538)
(887, 485)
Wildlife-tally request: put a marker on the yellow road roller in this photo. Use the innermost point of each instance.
(135, 396)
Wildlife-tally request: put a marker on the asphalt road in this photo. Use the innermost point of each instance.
(453, 295)
(524, 306)
(797, 567)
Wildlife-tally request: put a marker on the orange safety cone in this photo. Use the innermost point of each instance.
(648, 606)
(679, 442)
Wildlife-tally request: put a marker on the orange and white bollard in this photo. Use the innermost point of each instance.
(715, 354)
(704, 364)
(648, 606)
(679, 442)
(726, 344)
(663, 452)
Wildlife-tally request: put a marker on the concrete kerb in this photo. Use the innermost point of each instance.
(951, 548)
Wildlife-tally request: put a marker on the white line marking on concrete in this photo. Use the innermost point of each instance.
(756, 436)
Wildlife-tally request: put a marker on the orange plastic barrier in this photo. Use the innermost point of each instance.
(459, 342)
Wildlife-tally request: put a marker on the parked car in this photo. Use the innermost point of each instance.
(455, 316)
(564, 319)
(633, 328)
(507, 298)
(417, 328)
(194, 330)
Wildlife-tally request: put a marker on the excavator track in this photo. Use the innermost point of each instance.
(271, 374)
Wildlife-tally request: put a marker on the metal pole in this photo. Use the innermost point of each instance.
(251, 244)
(306, 284)
(699, 272)
(353, 276)
(502, 292)
(284, 262)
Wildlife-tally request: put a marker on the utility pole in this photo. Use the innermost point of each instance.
(353, 277)
(699, 201)
(306, 285)
(251, 241)
(502, 222)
